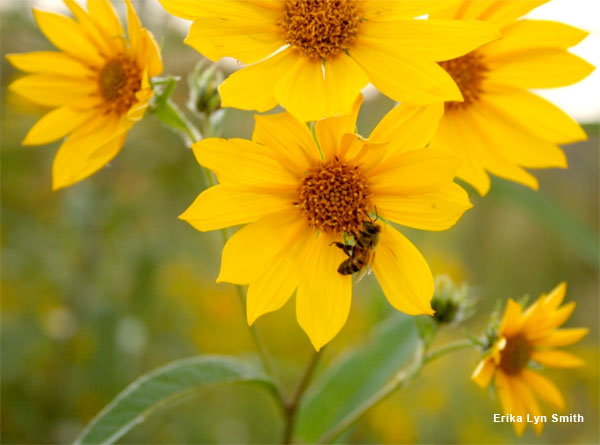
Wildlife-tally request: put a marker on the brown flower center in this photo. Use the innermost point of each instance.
(334, 197)
(515, 355)
(119, 80)
(320, 29)
(468, 72)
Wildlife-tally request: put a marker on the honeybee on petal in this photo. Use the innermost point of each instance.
(360, 253)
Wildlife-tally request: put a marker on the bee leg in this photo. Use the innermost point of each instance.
(346, 248)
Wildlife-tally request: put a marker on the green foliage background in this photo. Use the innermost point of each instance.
(101, 283)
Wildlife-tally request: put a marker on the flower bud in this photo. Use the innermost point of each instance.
(452, 304)
(204, 84)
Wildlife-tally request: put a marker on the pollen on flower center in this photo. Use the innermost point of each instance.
(334, 197)
(320, 28)
(468, 72)
(119, 80)
(515, 355)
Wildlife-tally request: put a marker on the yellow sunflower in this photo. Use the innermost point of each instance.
(313, 56)
(501, 128)
(524, 337)
(98, 84)
(298, 196)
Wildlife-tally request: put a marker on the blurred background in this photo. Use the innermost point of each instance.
(101, 282)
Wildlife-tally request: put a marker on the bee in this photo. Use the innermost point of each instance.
(361, 253)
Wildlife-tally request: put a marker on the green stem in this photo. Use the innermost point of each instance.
(291, 406)
(399, 380)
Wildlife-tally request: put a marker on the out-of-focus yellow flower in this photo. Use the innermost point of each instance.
(98, 84)
(299, 194)
(501, 128)
(313, 57)
(524, 337)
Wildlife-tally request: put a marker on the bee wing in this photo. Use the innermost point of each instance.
(367, 269)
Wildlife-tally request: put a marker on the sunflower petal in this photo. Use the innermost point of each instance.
(245, 163)
(539, 68)
(87, 150)
(67, 35)
(437, 210)
(262, 76)
(56, 124)
(273, 289)
(243, 263)
(511, 319)
(543, 388)
(225, 206)
(422, 82)
(430, 39)
(403, 273)
(413, 172)
(288, 138)
(562, 337)
(556, 359)
(50, 62)
(484, 372)
(53, 91)
(246, 40)
(324, 296)
(408, 127)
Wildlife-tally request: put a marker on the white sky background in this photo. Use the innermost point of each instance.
(581, 100)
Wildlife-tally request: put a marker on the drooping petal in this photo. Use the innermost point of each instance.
(430, 39)
(408, 127)
(538, 68)
(487, 151)
(245, 163)
(67, 35)
(53, 91)
(403, 273)
(413, 172)
(528, 400)
(511, 320)
(543, 388)
(245, 39)
(243, 262)
(437, 210)
(501, 130)
(225, 206)
(484, 372)
(87, 150)
(421, 82)
(333, 133)
(324, 296)
(525, 110)
(518, 405)
(50, 62)
(263, 76)
(556, 359)
(288, 139)
(504, 392)
(272, 290)
(56, 124)
(452, 136)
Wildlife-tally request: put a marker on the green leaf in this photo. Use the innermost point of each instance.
(164, 386)
(168, 112)
(356, 376)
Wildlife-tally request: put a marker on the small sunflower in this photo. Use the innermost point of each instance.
(303, 200)
(98, 84)
(501, 128)
(313, 56)
(524, 337)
